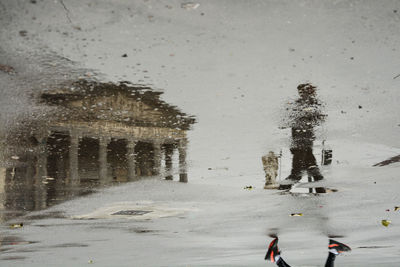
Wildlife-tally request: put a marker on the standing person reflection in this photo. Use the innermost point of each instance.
(302, 118)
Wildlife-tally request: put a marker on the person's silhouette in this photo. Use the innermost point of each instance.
(302, 118)
(334, 247)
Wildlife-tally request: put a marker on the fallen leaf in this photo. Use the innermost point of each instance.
(396, 208)
(386, 223)
(296, 214)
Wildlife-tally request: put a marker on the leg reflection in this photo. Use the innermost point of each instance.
(330, 261)
(297, 164)
(335, 248)
(274, 254)
(282, 263)
(310, 164)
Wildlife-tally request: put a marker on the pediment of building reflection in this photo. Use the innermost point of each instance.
(123, 103)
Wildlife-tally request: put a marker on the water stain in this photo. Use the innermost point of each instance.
(14, 241)
(143, 231)
(375, 247)
(12, 258)
(70, 245)
(388, 161)
(46, 215)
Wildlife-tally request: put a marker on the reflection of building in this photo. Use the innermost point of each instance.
(97, 132)
(117, 130)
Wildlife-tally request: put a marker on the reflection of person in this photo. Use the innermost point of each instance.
(302, 118)
(335, 248)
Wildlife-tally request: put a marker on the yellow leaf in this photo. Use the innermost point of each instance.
(296, 214)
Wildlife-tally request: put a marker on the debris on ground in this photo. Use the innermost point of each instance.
(16, 225)
(15, 157)
(7, 69)
(248, 187)
(190, 5)
(23, 33)
(396, 208)
(386, 223)
(296, 214)
(90, 261)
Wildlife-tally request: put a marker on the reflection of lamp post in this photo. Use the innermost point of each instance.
(326, 155)
(280, 164)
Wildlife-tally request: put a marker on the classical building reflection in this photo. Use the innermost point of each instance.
(96, 133)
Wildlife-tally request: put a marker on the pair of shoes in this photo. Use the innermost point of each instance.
(337, 247)
(273, 251)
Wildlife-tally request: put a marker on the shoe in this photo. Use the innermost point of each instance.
(337, 247)
(273, 251)
(292, 178)
(285, 187)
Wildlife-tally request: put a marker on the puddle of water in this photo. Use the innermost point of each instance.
(100, 134)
